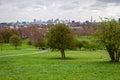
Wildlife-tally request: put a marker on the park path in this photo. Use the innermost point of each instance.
(24, 54)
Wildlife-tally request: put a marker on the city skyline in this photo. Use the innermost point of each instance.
(79, 10)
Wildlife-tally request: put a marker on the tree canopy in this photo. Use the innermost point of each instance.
(15, 40)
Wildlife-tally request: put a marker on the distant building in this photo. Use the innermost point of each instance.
(87, 22)
(34, 21)
(73, 21)
(119, 19)
(91, 19)
(57, 21)
(24, 23)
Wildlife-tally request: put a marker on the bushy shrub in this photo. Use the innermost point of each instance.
(88, 45)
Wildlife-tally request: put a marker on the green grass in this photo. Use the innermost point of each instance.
(86, 38)
(78, 65)
(24, 45)
(7, 49)
(23, 51)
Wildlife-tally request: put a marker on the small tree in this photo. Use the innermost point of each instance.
(60, 37)
(15, 40)
(7, 34)
(109, 35)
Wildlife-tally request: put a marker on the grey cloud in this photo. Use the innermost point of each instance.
(110, 1)
(27, 3)
(65, 7)
(98, 6)
(0, 3)
(103, 4)
(115, 2)
(70, 5)
(63, 4)
(18, 4)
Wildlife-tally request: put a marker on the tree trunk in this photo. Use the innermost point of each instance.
(117, 57)
(111, 53)
(1, 46)
(16, 47)
(62, 54)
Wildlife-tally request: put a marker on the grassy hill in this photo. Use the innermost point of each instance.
(78, 65)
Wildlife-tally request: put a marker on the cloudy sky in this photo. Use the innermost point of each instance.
(80, 10)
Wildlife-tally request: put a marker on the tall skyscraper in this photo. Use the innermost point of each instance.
(91, 19)
(34, 21)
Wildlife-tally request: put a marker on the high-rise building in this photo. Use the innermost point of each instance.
(91, 19)
(34, 21)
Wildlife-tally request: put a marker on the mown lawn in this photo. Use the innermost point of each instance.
(78, 65)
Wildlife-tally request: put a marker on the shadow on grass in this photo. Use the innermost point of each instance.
(59, 58)
(110, 62)
(105, 62)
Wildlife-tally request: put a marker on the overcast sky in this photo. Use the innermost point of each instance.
(80, 10)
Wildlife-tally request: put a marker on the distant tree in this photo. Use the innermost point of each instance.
(60, 38)
(15, 40)
(39, 44)
(7, 34)
(1, 30)
(109, 35)
(36, 36)
(15, 31)
(1, 41)
(24, 32)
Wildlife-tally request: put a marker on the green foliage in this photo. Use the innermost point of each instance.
(87, 42)
(93, 46)
(39, 44)
(15, 40)
(79, 44)
(7, 33)
(87, 45)
(109, 35)
(60, 37)
(15, 31)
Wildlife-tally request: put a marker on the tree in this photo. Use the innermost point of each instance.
(60, 38)
(36, 36)
(109, 35)
(1, 41)
(15, 40)
(7, 34)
